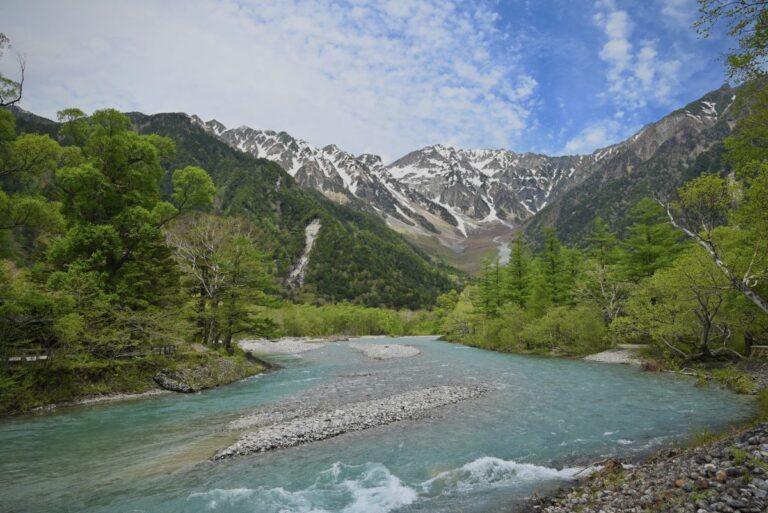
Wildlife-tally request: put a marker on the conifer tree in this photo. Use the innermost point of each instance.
(651, 244)
(517, 275)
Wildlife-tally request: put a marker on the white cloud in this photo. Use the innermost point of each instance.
(597, 135)
(637, 74)
(383, 76)
(679, 11)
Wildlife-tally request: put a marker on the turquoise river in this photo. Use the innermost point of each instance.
(546, 419)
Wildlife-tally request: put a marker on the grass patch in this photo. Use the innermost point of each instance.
(703, 436)
(762, 405)
(739, 382)
(739, 456)
(698, 496)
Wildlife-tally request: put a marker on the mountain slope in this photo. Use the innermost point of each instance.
(464, 204)
(655, 161)
(356, 257)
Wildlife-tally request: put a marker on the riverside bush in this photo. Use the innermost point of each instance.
(301, 320)
(572, 331)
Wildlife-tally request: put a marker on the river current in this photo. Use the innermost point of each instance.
(544, 421)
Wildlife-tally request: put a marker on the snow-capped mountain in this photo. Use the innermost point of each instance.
(456, 195)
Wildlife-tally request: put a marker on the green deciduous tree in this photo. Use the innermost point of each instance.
(26, 163)
(114, 210)
(747, 22)
(224, 271)
(730, 222)
(10, 89)
(681, 307)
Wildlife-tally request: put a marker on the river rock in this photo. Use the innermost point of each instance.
(288, 429)
(722, 481)
(173, 381)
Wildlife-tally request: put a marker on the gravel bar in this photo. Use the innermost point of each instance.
(626, 354)
(350, 417)
(283, 345)
(385, 351)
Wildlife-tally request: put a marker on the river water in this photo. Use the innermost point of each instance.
(544, 419)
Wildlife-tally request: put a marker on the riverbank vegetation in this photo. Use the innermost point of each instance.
(102, 279)
(302, 320)
(688, 275)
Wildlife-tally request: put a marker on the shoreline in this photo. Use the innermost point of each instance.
(233, 374)
(729, 473)
(98, 399)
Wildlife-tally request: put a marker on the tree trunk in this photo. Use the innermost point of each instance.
(704, 346)
(739, 284)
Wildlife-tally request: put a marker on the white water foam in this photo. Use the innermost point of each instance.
(372, 488)
(488, 472)
(369, 488)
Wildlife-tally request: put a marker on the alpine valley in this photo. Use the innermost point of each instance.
(466, 204)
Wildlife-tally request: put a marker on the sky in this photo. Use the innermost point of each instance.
(384, 77)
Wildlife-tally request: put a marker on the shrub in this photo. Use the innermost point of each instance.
(572, 331)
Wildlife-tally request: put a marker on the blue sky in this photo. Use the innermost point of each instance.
(386, 77)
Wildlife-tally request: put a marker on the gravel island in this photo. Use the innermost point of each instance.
(286, 431)
(385, 351)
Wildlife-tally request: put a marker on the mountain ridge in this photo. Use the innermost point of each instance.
(461, 202)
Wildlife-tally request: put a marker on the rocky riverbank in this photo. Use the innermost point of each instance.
(281, 430)
(207, 374)
(729, 475)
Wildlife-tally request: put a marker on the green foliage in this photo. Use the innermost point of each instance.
(489, 289)
(299, 320)
(602, 243)
(10, 89)
(193, 188)
(572, 331)
(749, 141)
(681, 307)
(739, 382)
(762, 405)
(651, 242)
(517, 275)
(356, 257)
(224, 274)
(555, 272)
(747, 22)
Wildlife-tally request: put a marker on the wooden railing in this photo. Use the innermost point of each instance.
(20, 356)
(166, 350)
(759, 352)
(27, 355)
(169, 350)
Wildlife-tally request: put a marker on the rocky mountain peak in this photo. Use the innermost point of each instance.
(456, 194)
